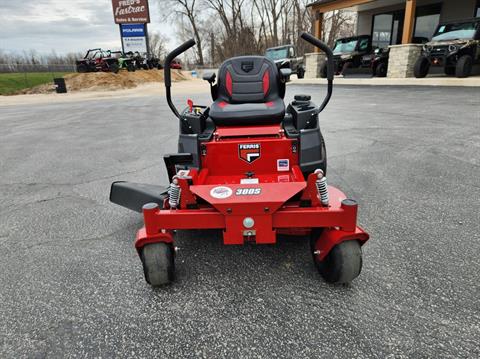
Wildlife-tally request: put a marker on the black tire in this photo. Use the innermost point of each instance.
(345, 67)
(114, 68)
(342, 264)
(381, 70)
(421, 68)
(324, 71)
(130, 68)
(449, 71)
(158, 263)
(82, 68)
(300, 73)
(464, 66)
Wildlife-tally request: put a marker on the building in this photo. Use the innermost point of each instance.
(397, 23)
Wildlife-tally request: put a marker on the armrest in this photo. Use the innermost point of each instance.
(210, 77)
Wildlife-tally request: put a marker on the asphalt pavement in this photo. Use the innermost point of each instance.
(71, 284)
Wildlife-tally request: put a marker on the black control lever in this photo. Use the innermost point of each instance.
(167, 74)
(330, 71)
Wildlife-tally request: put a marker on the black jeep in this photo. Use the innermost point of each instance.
(285, 56)
(455, 46)
(348, 53)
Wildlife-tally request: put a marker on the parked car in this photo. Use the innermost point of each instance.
(455, 46)
(125, 61)
(285, 56)
(348, 53)
(98, 60)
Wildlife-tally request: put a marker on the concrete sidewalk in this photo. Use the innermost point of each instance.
(473, 81)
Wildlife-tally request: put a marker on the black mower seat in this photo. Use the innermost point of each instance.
(249, 92)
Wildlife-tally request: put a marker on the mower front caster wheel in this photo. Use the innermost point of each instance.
(158, 263)
(342, 264)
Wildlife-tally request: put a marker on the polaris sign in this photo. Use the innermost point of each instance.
(134, 37)
(133, 30)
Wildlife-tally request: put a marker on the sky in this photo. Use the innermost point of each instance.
(66, 25)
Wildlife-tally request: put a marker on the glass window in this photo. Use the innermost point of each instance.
(363, 45)
(277, 54)
(425, 26)
(477, 12)
(345, 46)
(454, 31)
(382, 30)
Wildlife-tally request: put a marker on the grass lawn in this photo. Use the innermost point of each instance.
(13, 82)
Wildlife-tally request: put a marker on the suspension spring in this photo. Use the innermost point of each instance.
(322, 189)
(174, 194)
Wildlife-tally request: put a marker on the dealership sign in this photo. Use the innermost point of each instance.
(131, 11)
(134, 37)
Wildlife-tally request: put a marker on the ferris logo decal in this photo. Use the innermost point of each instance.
(249, 152)
(221, 192)
(248, 191)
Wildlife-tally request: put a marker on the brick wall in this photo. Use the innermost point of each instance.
(313, 63)
(402, 59)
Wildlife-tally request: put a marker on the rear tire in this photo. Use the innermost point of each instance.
(158, 263)
(421, 68)
(381, 70)
(114, 68)
(324, 71)
(345, 68)
(342, 264)
(300, 73)
(464, 66)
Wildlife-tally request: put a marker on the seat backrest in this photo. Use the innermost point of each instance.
(249, 79)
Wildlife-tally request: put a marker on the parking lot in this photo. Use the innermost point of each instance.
(71, 283)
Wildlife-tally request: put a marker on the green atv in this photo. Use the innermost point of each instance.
(125, 61)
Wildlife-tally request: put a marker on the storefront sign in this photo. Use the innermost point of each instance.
(131, 11)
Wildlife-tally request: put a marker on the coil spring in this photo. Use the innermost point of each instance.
(174, 194)
(323, 190)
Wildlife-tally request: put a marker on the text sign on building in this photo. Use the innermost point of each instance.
(131, 11)
(133, 37)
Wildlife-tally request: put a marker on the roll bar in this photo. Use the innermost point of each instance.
(322, 46)
(167, 74)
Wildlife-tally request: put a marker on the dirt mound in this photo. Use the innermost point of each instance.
(107, 81)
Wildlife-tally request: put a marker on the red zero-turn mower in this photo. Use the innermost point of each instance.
(251, 168)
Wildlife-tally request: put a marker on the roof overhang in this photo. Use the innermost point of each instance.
(331, 5)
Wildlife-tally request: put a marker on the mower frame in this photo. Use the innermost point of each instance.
(224, 193)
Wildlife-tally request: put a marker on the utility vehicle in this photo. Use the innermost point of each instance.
(97, 60)
(348, 53)
(455, 47)
(125, 61)
(285, 56)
